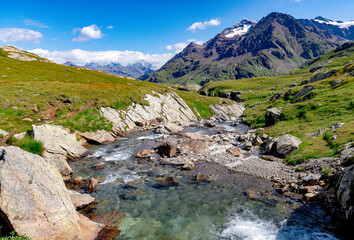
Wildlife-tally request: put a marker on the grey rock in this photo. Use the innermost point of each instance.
(20, 136)
(3, 133)
(283, 145)
(311, 179)
(292, 85)
(336, 126)
(58, 145)
(322, 75)
(273, 115)
(317, 133)
(336, 83)
(348, 153)
(345, 192)
(80, 200)
(34, 197)
(275, 97)
(227, 112)
(173, 128)
(305, 90)
(98, 137)
(169, 107)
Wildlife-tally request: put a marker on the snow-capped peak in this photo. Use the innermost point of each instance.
(340, 24)
(239, 29)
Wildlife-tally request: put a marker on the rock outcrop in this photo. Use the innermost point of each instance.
(170, 107)
(34, 197)
(58, 145)
(3, 133)
(227, 113)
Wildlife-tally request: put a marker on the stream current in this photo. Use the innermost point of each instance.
(233, 206)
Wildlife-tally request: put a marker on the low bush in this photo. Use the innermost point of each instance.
(28, 144)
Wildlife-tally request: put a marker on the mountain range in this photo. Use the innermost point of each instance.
(134, 70)
(271, 46)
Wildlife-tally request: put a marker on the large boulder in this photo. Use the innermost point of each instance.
(283, 145)
(273, 115)
(98, 137)
(34, 197)
(58, 145)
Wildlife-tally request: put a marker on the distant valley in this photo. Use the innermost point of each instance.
(134, 70)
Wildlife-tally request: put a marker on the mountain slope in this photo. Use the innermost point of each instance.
(339, 28)
(277, 43)
(330, 79)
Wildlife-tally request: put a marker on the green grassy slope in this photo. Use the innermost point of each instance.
(329, 106)
(69, 95)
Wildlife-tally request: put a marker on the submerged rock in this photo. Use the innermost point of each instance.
(189, 165)
(80, 200)
(166, 150)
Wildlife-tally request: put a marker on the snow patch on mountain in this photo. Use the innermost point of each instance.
(238, 31)
(340, 24)
(240, 28)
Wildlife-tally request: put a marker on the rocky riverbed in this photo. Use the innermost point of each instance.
(208, 180)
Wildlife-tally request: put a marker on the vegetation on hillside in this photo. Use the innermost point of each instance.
(325, 107)
(34, 92)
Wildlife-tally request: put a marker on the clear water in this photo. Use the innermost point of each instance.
(219, 209)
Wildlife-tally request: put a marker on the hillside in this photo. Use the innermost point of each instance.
(35, 90)
(272, 46)
(302, 114)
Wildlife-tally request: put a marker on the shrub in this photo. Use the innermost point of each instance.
(28, 144)
(14, 236)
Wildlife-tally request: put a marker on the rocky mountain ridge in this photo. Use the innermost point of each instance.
(133, 70)
(274, 45)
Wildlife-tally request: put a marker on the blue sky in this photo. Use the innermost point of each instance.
(126, 31)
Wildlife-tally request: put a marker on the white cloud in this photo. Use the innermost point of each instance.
(203, 25)
(19, 35)
(110, 27)
(178, 47)
(80, 57)
(88, 33)
(297, 0)
(32, 22)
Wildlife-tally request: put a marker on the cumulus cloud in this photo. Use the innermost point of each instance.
(178, 47)
(110, 27)
(80, 57)
(203, 25)
(19, 35)
(32, 22)
(88, 33)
